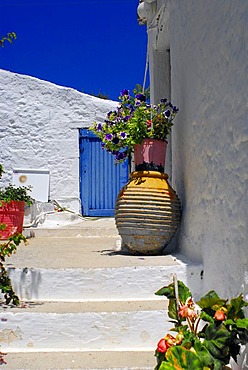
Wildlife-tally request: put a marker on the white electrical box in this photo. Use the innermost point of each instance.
(38, 179)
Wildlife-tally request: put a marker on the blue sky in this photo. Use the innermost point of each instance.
(90, 45)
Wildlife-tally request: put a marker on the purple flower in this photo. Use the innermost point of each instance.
(108, 137)
(115, 140)
(123, 135)
(99, 127)
(164, 100)
(120, 155)
(130, 107)
(140, 97)
(125, 119)
(175, 109)
(124, 92)
(167, 113)
(111, 113)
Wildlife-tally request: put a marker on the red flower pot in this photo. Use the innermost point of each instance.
(150, 155)
(12, 215)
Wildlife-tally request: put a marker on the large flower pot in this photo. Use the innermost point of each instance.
(12, 215)
(147, 213)
(150, 155)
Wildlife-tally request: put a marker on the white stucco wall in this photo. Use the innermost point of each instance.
(208, 43)
(39, 124)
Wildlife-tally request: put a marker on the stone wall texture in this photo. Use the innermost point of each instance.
(39, 128)
(209, 82)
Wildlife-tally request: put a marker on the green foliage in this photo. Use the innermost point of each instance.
(211, 300)
(220, 339)
(134, 120)
(10, 37)
(12, 192)
(178, 358)
(6, 250)
(1, 170)
(10, 246)
(169, 292)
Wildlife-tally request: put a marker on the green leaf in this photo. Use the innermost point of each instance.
(235, 308)
(180, 358)
(206, 317)
(202, 352)
(172, 309)
(242, 323)
(216, 341)
(211, 299)
(169, 291)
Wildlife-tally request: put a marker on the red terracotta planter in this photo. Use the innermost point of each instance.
(150, 155)
(12, 215)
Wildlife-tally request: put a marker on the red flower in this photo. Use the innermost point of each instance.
(149, 123)
(185, 312)
(166, 343)
(162, 346)
(219, 315)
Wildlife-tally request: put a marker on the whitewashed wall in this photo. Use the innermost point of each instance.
(208, 43)
(39, 124)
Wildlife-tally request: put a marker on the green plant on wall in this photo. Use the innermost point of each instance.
(6, 250)
(8, 247)
(1, 170)
(10, 37)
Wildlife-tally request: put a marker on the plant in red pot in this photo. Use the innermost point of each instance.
(147, 210)
(140, 127)
(12, 204)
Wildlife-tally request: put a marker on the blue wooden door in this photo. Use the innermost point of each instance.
(100, 179)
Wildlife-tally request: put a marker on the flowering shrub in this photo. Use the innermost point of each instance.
(224, 329)
(134, 119)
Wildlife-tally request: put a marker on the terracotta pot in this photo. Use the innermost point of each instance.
(147, 213)
(12, 215)
(150, 155)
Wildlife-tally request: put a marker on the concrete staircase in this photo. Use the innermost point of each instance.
(86, 304)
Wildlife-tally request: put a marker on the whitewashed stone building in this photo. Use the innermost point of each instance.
(198, 55)
(39, 129)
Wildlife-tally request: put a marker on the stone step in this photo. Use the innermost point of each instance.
(84, 326)
(92, 268)
(59, 226)
(84, 360)
(84, 294)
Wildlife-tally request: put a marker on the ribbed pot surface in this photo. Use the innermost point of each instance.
(147, 212)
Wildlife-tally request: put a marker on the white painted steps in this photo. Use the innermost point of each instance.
(66, 224)
(85, 297)
(94, 360)
(85, 326)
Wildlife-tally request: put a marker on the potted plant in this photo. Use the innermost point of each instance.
(12, 204)
(136, 123)
(208, 334)
(147, 210)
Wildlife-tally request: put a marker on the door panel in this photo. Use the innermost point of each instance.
(100, 179)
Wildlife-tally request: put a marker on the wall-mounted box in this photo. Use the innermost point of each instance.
(39, 179)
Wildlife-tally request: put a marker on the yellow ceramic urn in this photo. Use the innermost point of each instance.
(147, 213)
